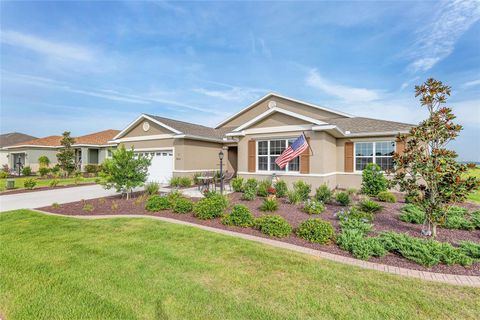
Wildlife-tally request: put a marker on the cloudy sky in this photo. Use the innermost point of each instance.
(87, 66)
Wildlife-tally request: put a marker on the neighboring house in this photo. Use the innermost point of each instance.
(89, 149)
(341, 144)
(9, 139)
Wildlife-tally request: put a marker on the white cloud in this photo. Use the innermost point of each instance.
(346, 93)
(436, 40)
(232, 94)
(472, 83)
(52, 49)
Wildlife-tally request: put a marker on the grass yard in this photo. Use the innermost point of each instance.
(43, 182)
(475, 196)
(65, 268)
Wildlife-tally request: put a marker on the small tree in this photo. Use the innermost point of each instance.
(43, 161)
(124, 171)
(66, 156)
(427, 171)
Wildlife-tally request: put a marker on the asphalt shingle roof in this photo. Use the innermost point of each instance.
(9, 139)
(97, 138)
(368, 125)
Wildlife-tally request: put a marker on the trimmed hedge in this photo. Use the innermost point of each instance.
(273, 225)
(316, 230)
(183, 205)
(211, 207)
(240, 217)
(157, 203)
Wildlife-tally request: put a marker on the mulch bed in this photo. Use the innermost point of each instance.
(386, 220)
(15, 191)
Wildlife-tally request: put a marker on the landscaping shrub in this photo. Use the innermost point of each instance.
(456, 219)
(5, 168)
(373, 180)
(471, 249)
(368, 205)
(87, 206)
(174, 196)
(316, 230)
(313, 206)
(56, 170)
(183, 205)
(185, 182)
(263, 186)
(303, 189)
(471, 165)
(250, 189)
(114, 205)
(152, 188)
(175, 182)
(343, 198)
(29, 183)
(77, 179)
(93, 169)
(54, 183)
(281, 187)
(237, 184)
(141, 199)
(351, 191)
(240, 217)
(475, 218)
(425, 252)
(3, 175)
(26, 171)
(354, 214)
(413, 214)
(273, 225)
(354, 224)
(269, 204)
(211, 207)
(294, 197)
(323, 193)
(55, 205)
(157, 203)
(43, 171)
(386, 196)
(359, 246)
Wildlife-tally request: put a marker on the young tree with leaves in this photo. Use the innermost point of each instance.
(43, 161)
(427, 171)
(66, 155)
(124, 171)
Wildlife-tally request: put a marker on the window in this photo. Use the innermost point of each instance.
(374, 152)
(269, 150)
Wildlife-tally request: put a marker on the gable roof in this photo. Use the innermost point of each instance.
(282, 97)
(358, 125)
(95, 139)
(12, 138)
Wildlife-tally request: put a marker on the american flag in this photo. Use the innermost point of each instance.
(293, 151)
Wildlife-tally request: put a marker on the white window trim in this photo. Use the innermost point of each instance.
(268, 155)
(373, 151)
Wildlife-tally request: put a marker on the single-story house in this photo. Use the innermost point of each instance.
(89, 149)
(341, 144)
(9, 139)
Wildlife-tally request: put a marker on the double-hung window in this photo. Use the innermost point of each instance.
(269, 150)
(380, 152)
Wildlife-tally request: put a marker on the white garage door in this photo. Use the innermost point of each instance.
(161, 169)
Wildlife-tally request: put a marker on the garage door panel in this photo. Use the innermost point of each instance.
(161, 167)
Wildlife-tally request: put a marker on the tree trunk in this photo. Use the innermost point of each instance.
(434, 230)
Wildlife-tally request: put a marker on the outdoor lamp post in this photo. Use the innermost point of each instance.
(220, 156)
(19, 165)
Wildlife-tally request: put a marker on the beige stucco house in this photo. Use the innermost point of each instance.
(341, 144)
(89, 149)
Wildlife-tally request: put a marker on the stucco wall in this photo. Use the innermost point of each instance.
(3, 158)
(32, 156)
(154, 129)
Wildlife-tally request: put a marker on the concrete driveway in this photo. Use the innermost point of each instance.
(37, 199)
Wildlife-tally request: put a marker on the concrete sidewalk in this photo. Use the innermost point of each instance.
(37, 199)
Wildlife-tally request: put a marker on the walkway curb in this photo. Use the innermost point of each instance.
(470, 281)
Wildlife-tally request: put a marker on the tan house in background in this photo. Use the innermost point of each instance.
(341, 144)
(89, 149)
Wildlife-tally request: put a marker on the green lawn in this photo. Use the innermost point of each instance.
(475, 196)
(66, 268)
(42, 182)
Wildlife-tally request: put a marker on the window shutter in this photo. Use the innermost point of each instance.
(399, 146)
(251, 155)
(348, 150)
(305, 159)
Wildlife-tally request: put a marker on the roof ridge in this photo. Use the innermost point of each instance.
(186, 122)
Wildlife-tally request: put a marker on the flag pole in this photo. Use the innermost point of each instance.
(305, 137)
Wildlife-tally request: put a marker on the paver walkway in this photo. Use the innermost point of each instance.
(472, 281)
(37, 199)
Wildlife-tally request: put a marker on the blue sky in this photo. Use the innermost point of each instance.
(88, 66)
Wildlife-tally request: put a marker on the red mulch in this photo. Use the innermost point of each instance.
(15, 191)
(387, 219)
